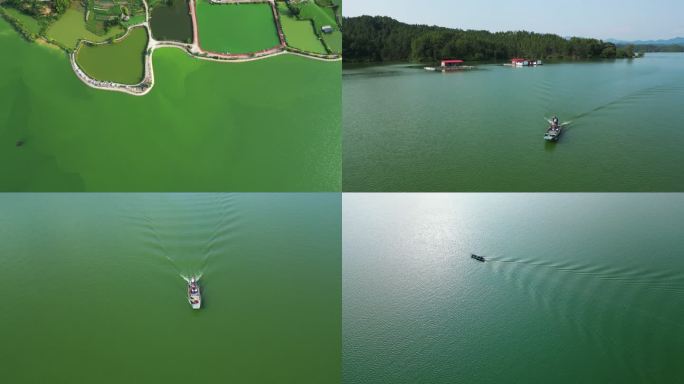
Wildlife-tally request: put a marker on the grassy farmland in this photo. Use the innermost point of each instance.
(323, 16)
(236, 28)
(299, 34)
(31, 24)
(71, 27)
(120, 62)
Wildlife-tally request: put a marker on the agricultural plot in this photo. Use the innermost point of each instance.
(119, 62)
(171, 21)
(31, 24)
(71, 27)
(236, 28)
(299, 34)
(107, 13)
(323, 16)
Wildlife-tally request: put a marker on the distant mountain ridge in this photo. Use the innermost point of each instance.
(673, 41)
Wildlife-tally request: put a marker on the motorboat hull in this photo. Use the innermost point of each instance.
(194, 295)
(553, 135)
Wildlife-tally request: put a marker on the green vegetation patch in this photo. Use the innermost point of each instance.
(119, 62)
(171, 21)
(322, 16)
(71, 27)
(236, 28)
(32, 25)
(299, 34)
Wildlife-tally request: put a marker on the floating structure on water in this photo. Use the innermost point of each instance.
(450, 66)
(478, 258)
(520, 62)
(194, 295)
(554, 131)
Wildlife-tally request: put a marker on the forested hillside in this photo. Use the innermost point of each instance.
(377, 39)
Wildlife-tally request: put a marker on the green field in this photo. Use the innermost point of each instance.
(29, 22)
(299, 33)
(236, 28)
(323, 16)
(71, 27)
(120, 62)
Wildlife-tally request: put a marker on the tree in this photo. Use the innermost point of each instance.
(62, 5)
(377, 39)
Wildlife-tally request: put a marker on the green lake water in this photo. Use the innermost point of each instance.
(577, 288)
(406, 129)
(120, 62)
(94, 290)
(268, 125)
(172, 21)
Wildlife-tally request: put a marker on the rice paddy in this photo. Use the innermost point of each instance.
(119, 62)
(299, 34)
(236, 28)
(71, 27)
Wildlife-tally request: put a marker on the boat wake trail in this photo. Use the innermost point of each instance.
(187, 231)
(632, 98)
(610, 308)
(654, 279)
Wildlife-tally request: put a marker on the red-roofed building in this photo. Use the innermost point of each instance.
(449, 63)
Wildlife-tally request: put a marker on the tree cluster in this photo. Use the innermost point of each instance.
(378, 39)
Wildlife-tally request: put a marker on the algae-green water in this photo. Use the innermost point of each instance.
(577, 288)
(406, 129)
(94, 290)
(120, 62)
(267, 125)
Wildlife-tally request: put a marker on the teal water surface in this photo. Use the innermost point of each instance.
(406, 129)
(95, 292)
(577, 288)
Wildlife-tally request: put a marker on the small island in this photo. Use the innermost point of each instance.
(111, 43)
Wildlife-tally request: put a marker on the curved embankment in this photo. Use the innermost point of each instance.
(120, 62)
(97, 71)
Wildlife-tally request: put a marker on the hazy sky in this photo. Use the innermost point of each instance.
(624, 20)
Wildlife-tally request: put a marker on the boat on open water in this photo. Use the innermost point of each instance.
(554, 131)
(478, 258)
(450, 66)
(194, 295)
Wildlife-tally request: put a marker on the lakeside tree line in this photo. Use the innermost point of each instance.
(37, 8)
(377, 39)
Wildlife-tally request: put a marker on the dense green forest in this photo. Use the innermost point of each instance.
(377, 39)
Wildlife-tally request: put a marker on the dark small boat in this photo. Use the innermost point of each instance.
(478, 258)
(553, 133)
